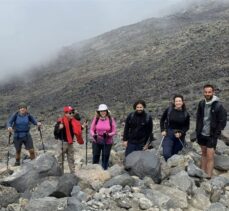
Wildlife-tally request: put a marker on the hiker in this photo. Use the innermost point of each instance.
(65, 129)
(138, 128)
(211, 118)
(103, 128)
(19, 123)
(174, 124)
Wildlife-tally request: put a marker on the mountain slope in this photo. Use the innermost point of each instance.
(151, 60)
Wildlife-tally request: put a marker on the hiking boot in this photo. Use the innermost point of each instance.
(17, 163)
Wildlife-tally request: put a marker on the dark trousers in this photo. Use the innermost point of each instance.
(96, 151)
(133, 147)
(171, 144)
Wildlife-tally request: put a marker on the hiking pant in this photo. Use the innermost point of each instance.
(133, 147)
(96, 151)
(171, 145)
(68, 149)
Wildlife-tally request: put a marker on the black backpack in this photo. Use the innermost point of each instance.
(57, 132)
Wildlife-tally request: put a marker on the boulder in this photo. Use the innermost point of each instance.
(216, 207)
(144, 163)
(32, 172)
(122, 180)
(195, 171)
(222, 162)
(8, 195)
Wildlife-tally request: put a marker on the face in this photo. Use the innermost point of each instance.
(22, 110)
(178, 102)
(103, 113)
(69, 115)
(139, 108)
(208, 93)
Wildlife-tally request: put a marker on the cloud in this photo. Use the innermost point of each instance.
(33, 31)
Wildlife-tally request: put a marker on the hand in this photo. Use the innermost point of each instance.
(84, 124)
(163, 133)
(39, 125)
(124, 143)
(61, 126)
(177, 134)
(95, 136)
(145, 147)
(10, 129)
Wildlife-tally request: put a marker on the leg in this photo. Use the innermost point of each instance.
(70, 157)
(130, 148)
(204, 158)
(105, 155)
(17, 145)
(210, 161)
(96, 151)
(167, 147)
(28, 142)
(177, 146)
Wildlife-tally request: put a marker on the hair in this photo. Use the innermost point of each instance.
(97, 114)
(142, 102)
(209, 86)
(181, 97)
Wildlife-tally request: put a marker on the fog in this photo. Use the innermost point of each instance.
(33, 31)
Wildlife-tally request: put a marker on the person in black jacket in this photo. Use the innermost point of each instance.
(138, 128)
(210, 120)
(174, 124)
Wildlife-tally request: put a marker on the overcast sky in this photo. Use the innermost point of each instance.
(32, 31)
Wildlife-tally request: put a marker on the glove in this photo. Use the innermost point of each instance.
(95, 137)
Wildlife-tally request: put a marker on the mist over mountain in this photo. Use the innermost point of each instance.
(151, 60)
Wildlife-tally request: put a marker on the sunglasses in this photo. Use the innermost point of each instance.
(70, 113)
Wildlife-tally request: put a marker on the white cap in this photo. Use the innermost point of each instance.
(102, 107)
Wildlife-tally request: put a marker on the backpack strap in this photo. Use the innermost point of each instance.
(110, 121)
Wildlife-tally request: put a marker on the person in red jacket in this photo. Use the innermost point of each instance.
(68, 127)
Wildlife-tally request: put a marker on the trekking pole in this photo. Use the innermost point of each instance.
(86, 133)
(8, 153)
(158, 151)
(62, 149)
(41, 137)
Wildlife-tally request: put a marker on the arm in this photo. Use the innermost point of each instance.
(78, 131)
(92, 127)
(113, 132)
(126, 129)
(163, 120)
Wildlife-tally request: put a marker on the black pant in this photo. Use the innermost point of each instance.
(96, 150)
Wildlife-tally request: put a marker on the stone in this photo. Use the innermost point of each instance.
(8, 195)
(145, 203)
(216, 207)
(144, 163)
(195, 171)
(123, 180)
(221, 162)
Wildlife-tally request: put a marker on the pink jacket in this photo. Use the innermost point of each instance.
(103, 126)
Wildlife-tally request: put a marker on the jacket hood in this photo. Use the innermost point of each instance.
(214, 98)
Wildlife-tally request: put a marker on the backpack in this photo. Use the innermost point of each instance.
(56, 131)
(217, 106)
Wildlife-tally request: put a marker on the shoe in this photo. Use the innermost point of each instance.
(17, 163)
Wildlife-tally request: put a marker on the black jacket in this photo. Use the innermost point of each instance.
(217, 116)
(138, 128)
(175, 119)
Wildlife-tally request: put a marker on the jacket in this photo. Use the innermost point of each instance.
(137, 128)
(102, 127)
(217, 117)
(21, 124)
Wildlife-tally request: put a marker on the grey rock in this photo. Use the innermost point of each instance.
(216, 207)
(145, 203)
(200, 201)
(45, 188)
(144, 163)
(176, 160)
(225, 134)
(216, 194)
(116, 170)
(32, 172)
(74, 204)
(8, 195)
(158, 198)
(195, 171)
(46, 204)
(221, 162)
(122, 180)
(65, 185)
(182, 181)
(124, 203)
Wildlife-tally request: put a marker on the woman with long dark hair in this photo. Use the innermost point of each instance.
(174, 124)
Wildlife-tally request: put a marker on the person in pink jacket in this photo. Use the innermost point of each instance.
(103, 128)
